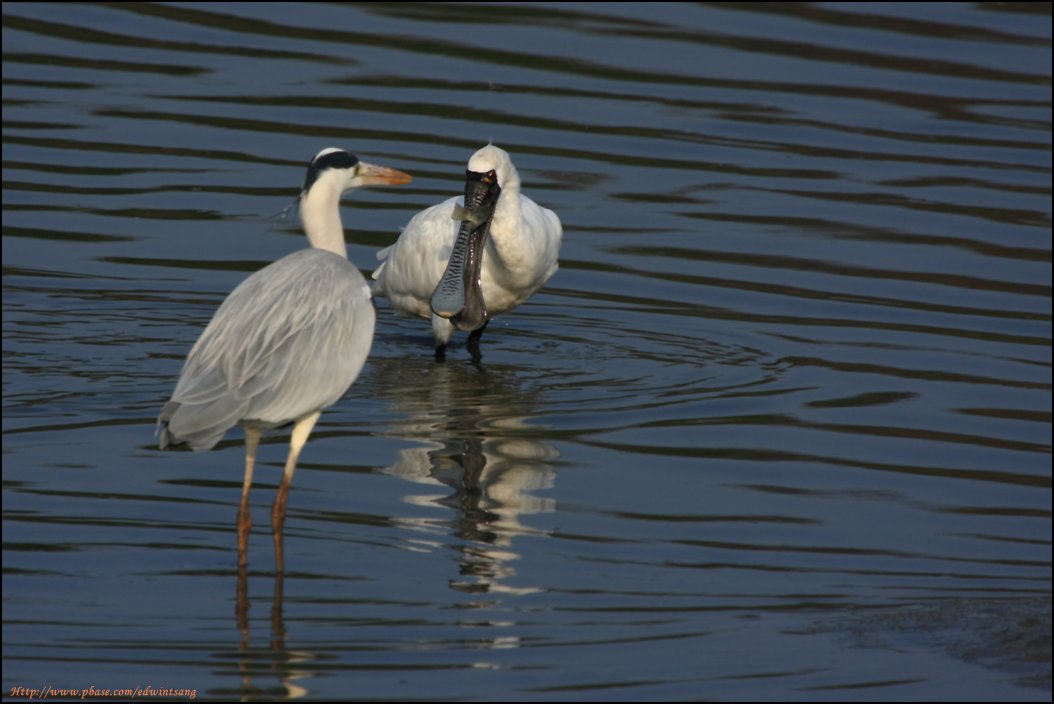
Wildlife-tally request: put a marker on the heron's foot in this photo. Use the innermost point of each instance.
(245, 523)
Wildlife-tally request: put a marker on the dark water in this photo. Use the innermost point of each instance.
(779, 428)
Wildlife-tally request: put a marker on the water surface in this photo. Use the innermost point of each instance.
(779, 428)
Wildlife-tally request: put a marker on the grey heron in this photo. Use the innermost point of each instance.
(286, 343)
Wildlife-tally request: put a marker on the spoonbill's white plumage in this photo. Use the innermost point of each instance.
(286, 343)
(518, 243)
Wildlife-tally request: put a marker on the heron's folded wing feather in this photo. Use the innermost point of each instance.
(288, 341)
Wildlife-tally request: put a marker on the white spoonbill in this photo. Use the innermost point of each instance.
(287, 342)
(472, 257)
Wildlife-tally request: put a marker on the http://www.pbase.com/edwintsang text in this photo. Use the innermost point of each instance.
(148, 692)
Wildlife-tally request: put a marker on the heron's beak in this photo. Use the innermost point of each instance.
(459, 294)
(373, 175)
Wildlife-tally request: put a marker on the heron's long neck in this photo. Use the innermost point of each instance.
(320, 215)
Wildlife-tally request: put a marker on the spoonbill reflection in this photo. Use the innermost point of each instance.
(472, 257)
(287, 342)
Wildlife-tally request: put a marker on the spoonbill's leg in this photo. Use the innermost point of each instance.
(473, 342)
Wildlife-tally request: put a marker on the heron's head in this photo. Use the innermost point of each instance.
(336, 170)
(331, 173)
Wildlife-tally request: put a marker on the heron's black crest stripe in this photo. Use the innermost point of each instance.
(330, 160)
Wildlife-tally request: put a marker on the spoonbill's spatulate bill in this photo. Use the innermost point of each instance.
(472, 257)
(287, 342)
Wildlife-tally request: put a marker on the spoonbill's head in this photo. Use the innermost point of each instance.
(459, 294)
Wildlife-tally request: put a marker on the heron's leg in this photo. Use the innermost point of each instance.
(245, 519)
(301, 431)
(473, 342)
(441, 353)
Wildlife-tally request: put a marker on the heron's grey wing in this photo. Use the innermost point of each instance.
(288, 341)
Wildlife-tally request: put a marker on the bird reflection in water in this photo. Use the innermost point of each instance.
(274, 662)
(477, 457)
(477, 442)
